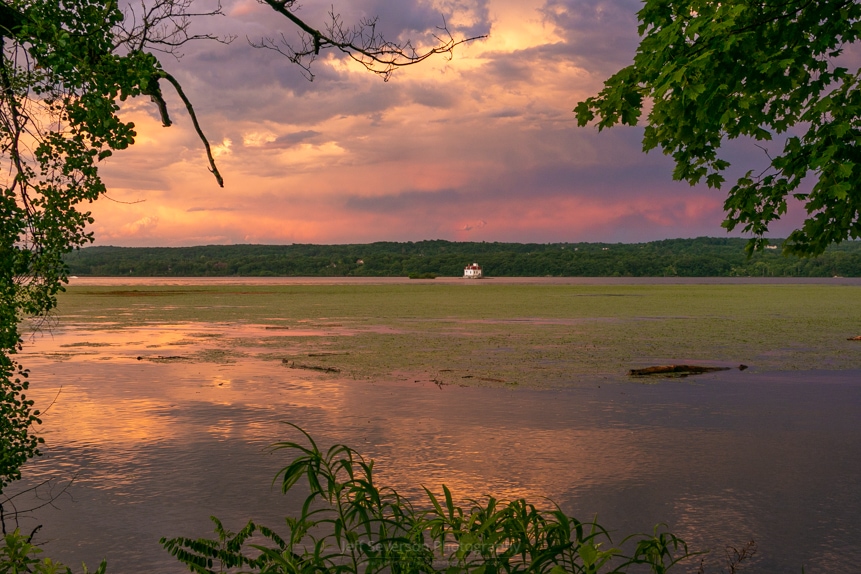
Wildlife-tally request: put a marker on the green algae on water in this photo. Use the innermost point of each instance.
(488, 334)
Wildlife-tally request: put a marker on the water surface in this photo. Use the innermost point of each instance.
(158, 444)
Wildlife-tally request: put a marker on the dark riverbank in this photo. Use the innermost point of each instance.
(701, 257)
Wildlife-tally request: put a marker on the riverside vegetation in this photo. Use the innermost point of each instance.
(702, 257)
(349, 524)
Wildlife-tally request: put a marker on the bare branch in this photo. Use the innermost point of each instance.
(163, 26)
(9, 506)
(109, 198)
(361, 42)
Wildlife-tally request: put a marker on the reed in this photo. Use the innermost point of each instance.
(348, 524)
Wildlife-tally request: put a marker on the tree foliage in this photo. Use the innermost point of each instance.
(771, 71)
(60, 78)
(18, 554)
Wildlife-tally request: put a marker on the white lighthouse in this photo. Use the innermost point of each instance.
(472, 271)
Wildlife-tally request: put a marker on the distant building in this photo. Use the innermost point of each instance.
(771, 246)
(472, 271)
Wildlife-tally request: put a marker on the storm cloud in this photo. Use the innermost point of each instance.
(482, 145)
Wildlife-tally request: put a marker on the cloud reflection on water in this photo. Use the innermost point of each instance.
(112, 402)
(160, 445)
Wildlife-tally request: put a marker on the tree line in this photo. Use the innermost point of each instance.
(700, 257)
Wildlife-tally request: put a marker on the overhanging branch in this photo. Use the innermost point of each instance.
(212, 167)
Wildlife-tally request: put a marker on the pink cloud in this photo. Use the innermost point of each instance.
(483, 147)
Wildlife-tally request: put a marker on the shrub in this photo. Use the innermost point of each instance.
(348, 524)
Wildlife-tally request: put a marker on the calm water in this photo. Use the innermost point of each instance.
(156, 448)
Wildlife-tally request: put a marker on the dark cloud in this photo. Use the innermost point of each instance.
(244, 83)
(512, 67)
(506, 113)
(404, 201)
(431, 95)
(395, 20)
(292, 139)
(439, 150)
(621, 173)
(239, 64)
(404, 19)
(600, 34)
(481, 22)
(537, 65)
(241, 68)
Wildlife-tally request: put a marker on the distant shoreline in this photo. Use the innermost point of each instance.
(700, 257)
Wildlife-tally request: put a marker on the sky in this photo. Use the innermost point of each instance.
(480, 147)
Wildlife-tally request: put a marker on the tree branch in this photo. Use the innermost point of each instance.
(154, 92)
(10, 20)
(164, 26)
(362, 42)
(212, 167)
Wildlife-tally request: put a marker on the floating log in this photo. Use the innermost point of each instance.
(295, 365)
(677, 369)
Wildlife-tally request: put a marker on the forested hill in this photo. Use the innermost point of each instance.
(701, 257)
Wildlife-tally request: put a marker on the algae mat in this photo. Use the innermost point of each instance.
(467, 334)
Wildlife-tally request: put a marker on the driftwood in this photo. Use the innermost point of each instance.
(295, 365)
(679, 370)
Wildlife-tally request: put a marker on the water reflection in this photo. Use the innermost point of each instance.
(158, 446)
(108, 340)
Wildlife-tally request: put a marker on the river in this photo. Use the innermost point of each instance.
(155, 448)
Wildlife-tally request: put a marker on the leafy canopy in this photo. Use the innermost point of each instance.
(60, 79)
(708, 72)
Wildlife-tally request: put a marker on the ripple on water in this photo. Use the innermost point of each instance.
(157, 447)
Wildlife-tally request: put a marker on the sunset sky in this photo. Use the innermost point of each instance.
(483, 147)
